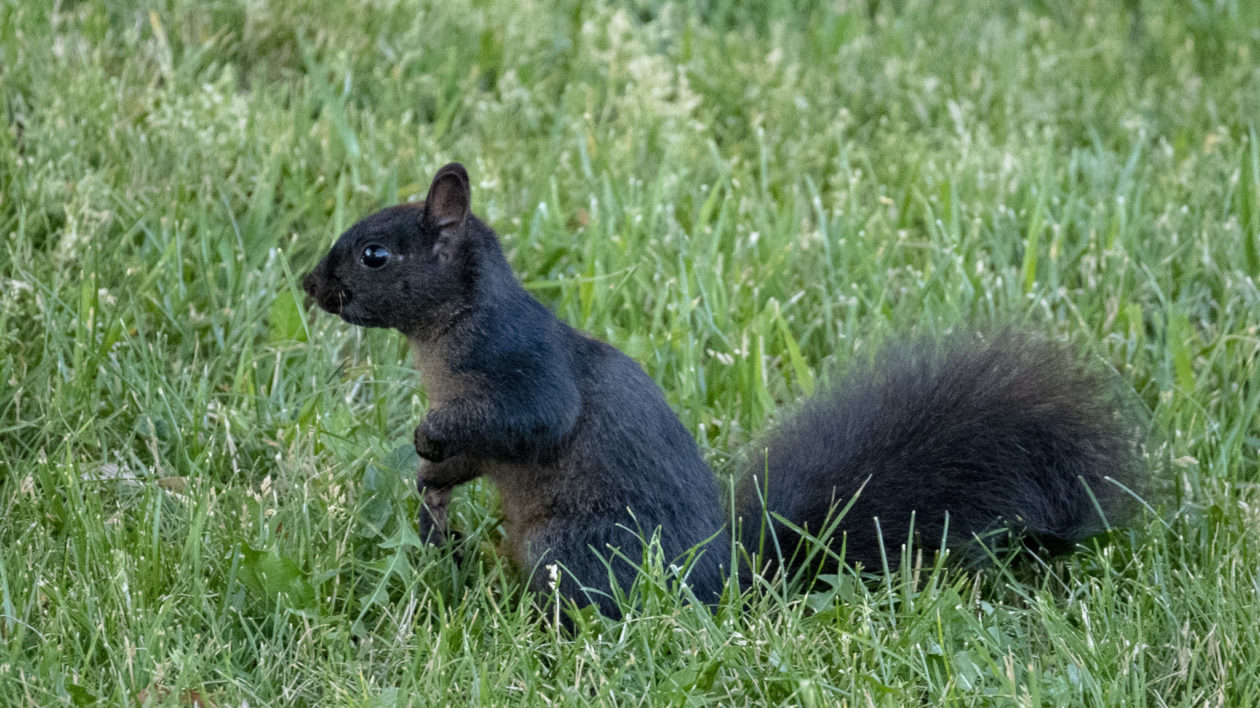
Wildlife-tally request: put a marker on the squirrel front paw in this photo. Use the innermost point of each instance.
(434, 519)
(427, 445)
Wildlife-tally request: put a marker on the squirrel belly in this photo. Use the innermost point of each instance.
(947, 442)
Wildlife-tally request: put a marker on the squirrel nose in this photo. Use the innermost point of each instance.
(310, 283)
(327, 291)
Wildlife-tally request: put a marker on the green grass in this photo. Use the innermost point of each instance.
(206, 489)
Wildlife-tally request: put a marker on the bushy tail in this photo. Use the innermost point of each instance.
(962, 439)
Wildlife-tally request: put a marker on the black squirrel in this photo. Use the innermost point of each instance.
(953, 441)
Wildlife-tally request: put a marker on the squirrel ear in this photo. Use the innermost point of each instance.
(446, 208)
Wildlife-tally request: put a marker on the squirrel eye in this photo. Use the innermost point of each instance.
(374, 256)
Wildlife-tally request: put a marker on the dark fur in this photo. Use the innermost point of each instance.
(1010, 433)
(587, 456)
(589, 460)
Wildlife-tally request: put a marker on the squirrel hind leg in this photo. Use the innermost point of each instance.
(600, 567)
(573, 569)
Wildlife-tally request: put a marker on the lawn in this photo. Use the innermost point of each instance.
(206, 488)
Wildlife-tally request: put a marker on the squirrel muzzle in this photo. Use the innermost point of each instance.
(326, 289)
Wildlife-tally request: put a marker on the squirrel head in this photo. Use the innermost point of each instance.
(412, 267)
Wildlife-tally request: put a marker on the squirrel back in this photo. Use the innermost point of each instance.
(1007, 433)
